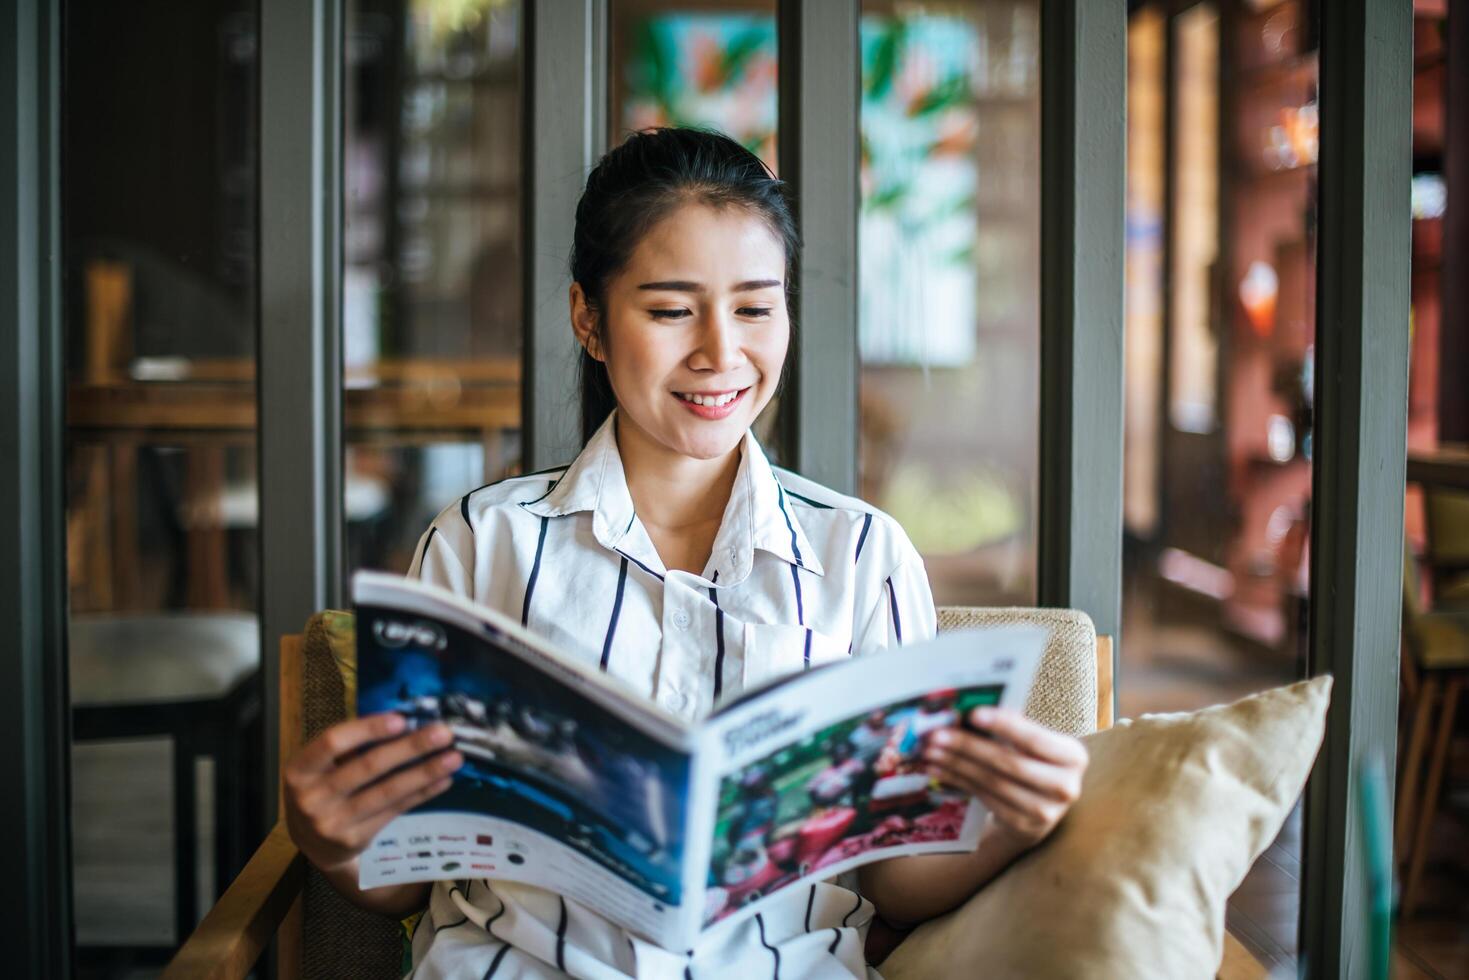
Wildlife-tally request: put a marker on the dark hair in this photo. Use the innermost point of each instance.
(632, 188)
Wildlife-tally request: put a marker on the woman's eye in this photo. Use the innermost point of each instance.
(754, 311)
(669, 314)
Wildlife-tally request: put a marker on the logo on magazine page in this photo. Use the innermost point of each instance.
(766, 724)
(451, 865)
(420, 838)
(396, 634)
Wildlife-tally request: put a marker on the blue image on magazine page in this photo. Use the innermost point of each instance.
(536, 752)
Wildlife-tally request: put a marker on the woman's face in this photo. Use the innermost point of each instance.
(694, 330)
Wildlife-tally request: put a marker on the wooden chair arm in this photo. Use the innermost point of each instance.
(1239, 963)
(232, 936)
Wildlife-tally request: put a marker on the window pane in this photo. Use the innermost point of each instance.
(1430, 929)
(1218, 381)
(949, 295)
(159, 202)
(431, 306)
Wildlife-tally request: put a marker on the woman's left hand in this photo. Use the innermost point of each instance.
(1027, 775)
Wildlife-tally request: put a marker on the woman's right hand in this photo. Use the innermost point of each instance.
(337, 798)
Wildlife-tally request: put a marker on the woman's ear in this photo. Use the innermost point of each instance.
(584, 322)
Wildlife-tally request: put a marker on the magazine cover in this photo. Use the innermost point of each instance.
(573, 783)
(558, 789)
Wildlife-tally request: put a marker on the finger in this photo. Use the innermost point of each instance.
(977, 778)
(1008, 814)
(1029, 736)
(366, 829)
(1047, 779)
(389, 795)
(375, 763)
(322, 753)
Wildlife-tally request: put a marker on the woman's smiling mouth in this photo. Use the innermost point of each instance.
(712, 404)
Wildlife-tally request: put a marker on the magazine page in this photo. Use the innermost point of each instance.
(824, 773)
(563, 786)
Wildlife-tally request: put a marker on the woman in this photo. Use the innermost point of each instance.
(673, 555)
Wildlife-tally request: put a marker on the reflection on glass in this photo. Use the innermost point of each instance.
(159, 201)
(949, 302)
(432, 280)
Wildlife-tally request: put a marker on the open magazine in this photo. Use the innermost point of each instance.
(575, 783)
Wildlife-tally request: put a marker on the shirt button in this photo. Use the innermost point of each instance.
(681, 619)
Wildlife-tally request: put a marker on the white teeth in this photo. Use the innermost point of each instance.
(714, 400)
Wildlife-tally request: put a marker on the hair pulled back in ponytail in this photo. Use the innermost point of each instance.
(635, 186)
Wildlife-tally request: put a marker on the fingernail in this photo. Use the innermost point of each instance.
(395, 723)
(983, 716)
(941, 737)
(451, 762)
(440, 735)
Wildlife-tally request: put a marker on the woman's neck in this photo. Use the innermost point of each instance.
(674, 493)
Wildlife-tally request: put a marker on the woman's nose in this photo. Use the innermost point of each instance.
(719, 347)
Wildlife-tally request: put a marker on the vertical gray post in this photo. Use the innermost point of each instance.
(820, 121)
(299, 387)
(566, 125)
(34, 711)
(1361, 424)
(1083, 158)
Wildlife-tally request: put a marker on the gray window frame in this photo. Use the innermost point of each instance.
(1360, 464)
(35, 715)
(300, 359)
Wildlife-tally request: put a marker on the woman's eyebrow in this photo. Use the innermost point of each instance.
(684, 286)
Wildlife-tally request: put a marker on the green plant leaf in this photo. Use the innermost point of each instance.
(742, 47)
(885, 56)
(952, 91)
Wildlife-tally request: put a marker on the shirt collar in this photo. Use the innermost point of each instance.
(759, 514)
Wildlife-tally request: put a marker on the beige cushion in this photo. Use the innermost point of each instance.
(1173, 812)
(1064, 696)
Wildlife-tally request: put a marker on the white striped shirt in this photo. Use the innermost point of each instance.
(798, 575)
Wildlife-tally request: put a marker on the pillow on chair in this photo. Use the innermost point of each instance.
(1173, 812)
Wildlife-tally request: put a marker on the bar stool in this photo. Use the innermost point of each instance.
(1435, 674)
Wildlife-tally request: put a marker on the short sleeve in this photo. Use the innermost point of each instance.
(438, 563)
(903, 612)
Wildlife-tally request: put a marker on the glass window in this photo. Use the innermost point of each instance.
(432, 292)
(159, 177)
(1218, 380)
(949, 296)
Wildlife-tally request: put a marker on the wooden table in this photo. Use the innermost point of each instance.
(1446, 466)
(210, 407)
